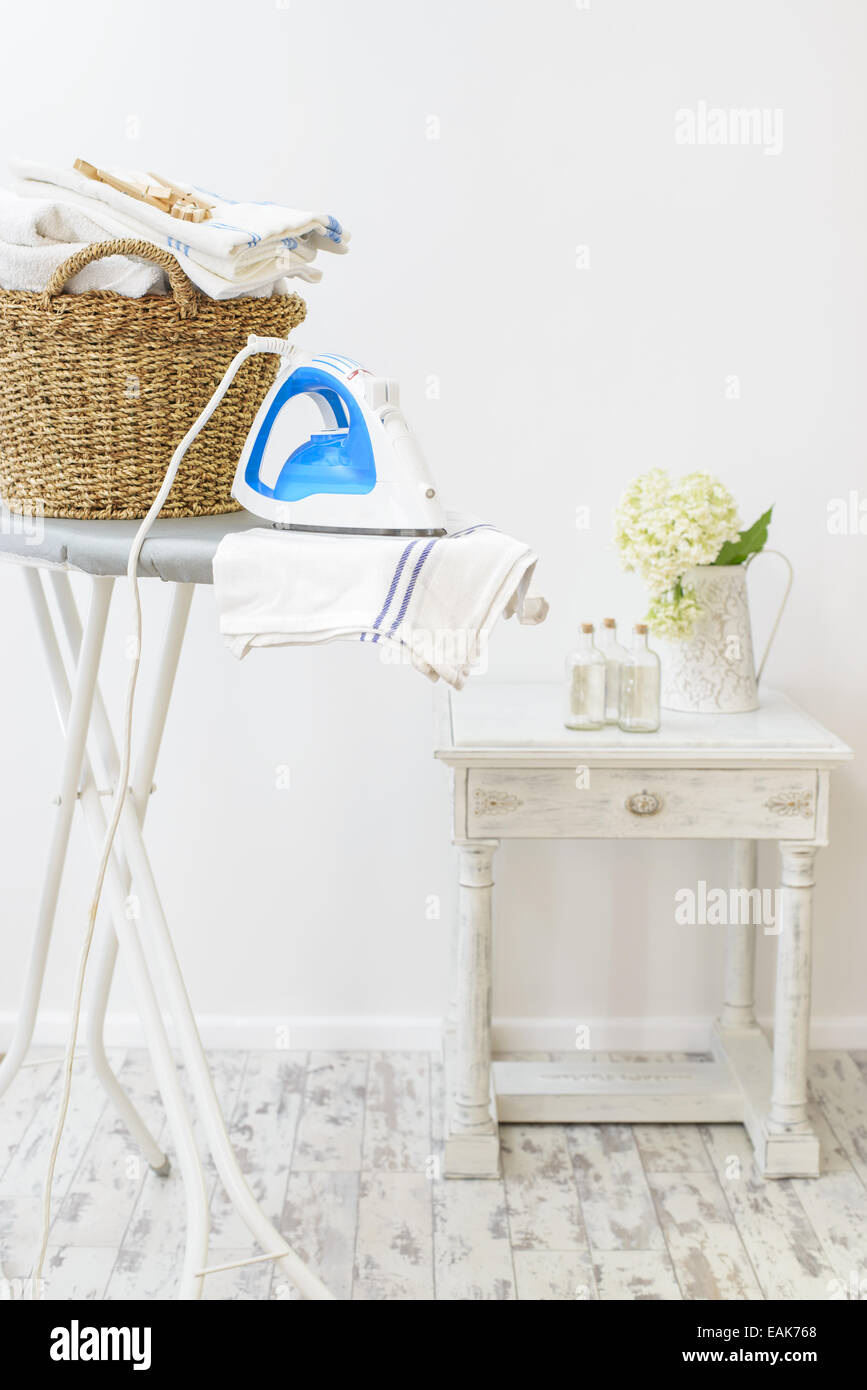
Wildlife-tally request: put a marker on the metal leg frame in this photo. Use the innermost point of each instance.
(146, 947)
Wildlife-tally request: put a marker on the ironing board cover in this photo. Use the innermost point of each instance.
(179, 551)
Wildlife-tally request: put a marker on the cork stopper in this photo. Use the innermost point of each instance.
(586, 627)
(641, 627)
(609, 622)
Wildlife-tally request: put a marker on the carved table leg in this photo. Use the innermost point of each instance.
(790, 1144)
(739, 1004)
(472, 1143)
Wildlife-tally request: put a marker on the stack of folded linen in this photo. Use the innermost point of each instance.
(39, 234)
(239, 249)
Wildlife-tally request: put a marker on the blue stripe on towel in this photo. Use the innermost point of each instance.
(392, 588)
(253, 238)
(479, 526)
(410, 586)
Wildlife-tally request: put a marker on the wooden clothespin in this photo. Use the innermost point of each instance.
(160, 193)
(187, 205)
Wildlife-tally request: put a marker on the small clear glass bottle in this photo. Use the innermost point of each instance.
(639, 691)
(585, 675)
(615, 655)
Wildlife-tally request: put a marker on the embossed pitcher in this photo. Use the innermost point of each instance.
(712, 671)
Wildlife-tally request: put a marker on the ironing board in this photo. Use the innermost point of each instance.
(181, 553)
(178, 551)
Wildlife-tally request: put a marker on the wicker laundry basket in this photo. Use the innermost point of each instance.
(97, 391)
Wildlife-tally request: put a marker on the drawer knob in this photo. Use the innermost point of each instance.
(643, 803)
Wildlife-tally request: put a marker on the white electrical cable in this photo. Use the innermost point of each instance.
(254, 345)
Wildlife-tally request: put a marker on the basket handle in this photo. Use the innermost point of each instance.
(185, 294)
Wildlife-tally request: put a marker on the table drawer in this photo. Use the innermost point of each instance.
(616, 803)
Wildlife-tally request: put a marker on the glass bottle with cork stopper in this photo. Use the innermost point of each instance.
(639, 689)
(585, 677)
(615, 655)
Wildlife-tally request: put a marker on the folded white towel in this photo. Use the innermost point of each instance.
(432, 602)
(240, 248)
(250, 278)
(36, 236)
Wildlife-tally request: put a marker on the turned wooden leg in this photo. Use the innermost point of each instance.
(739, 1003)
(774, 1085)
(792, 1005)
(472, 1145)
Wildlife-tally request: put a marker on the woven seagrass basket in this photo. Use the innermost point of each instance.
(97, 391)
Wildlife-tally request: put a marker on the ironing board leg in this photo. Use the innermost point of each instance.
(142, 783)
(168, 969)
(76, 738)
(199, 1074)
(189, 1161)
(93, 1031)
(117, 881)
(76, 717)
(60, 689)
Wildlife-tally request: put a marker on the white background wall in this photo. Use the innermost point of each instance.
(558, 384)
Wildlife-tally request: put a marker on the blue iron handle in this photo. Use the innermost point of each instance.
(339, 460)
(308, 381)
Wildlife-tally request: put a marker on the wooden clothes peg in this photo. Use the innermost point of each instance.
(160, 193)
(188, 205)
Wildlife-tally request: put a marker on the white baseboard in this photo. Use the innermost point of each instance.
(835, 1034)
(367, 1032)
(372, 1032)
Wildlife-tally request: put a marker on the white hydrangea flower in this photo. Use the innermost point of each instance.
(663, 527)
(673, 614)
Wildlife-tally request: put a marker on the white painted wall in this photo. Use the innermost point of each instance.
(558, 384)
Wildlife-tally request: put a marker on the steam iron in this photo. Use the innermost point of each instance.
(364, 474)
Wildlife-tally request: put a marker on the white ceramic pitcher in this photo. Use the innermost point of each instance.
(712, 671)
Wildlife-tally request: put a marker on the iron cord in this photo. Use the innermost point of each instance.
(254, 345)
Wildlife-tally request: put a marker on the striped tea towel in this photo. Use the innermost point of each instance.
(431, 602)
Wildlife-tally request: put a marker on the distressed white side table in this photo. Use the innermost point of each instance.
(518, 773)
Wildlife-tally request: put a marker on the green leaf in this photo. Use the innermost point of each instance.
(748, 542)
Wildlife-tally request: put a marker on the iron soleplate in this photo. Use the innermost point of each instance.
(354, 531)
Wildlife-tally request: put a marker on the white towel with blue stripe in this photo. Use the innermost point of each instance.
(430, 602)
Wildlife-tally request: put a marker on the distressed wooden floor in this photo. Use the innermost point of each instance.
(343, 1151)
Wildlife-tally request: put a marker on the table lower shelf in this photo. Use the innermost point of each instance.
(594, 1092)
(733, 1087)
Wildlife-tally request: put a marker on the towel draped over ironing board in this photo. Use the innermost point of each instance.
(430, 601)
